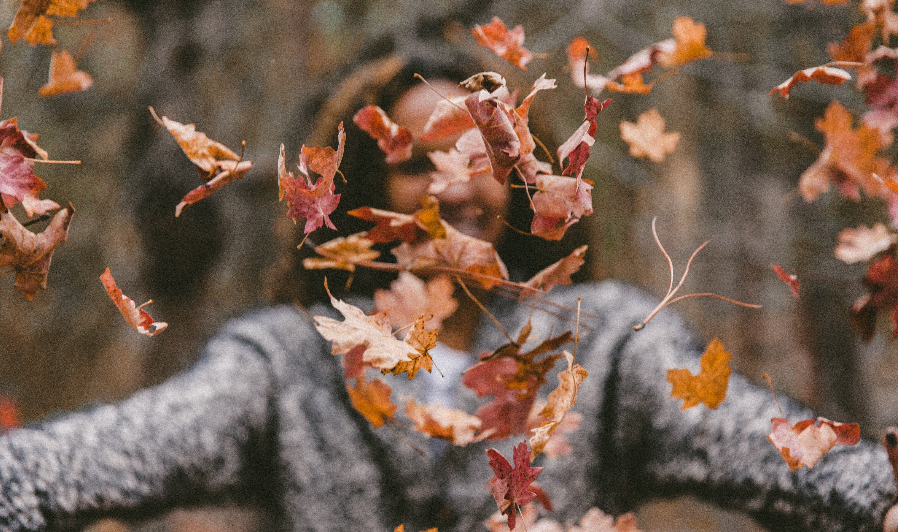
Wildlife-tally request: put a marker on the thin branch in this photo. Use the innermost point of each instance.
(672, 290)
(483, 308)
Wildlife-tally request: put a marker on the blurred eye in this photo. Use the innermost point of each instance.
(414, 166)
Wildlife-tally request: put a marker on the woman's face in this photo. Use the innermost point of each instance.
(474, 207)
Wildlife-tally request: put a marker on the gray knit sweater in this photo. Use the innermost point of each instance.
(264, 414)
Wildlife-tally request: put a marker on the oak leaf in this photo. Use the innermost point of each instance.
(710, 385)
(135, 316)
(863, 243)
(28, 254)
(383, 351)
(64, 76)
(511, 484)
(312, 201)
(790, 279)
(372, 400)
(561, 400)
(444, 423)
(394, 140)
(822, 74)
(33, 23)
(215, 162)
(805, 443)
(409, 297)
(647, 137)
(508, 45)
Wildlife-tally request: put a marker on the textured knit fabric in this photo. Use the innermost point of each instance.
(265, 414)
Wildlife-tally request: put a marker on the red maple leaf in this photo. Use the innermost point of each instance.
(576, 148)
(17, 148)
(314, 202)
(511, 487)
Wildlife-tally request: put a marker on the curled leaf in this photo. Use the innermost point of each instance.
(805, 443)
(507, 44)
(561, 400)
(314, 202)
(394, 140)
(823, 74)
(136, 316)
(28, 254)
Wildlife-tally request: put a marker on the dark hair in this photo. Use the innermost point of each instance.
(382, 82)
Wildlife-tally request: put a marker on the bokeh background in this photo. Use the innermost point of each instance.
(256, 71)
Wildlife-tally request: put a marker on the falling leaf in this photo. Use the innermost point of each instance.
(647, 137)
(33, 23)
(444, 423)
(595, 520)
(508, 45)
(28, 254)
(496, 126)
(558, 273)
(10, 417)
(848, 160)
(561, 400)
(690, 43)
(383, 351)
(822, 74)
(576, 148)
(863, 243)
(312, 201)
(710, 385)
(410, 297)
(789, 279)
(342, 253)
(136, 316)
(881, 281)
(65, 76)
(422, 341)
(372, 400)
(513, 378)
(856, 44)
(558, 203)
(449, 117)
(216, 163)
(805, 443)
(577, 61)
(394, 140)
(511, 485)
(17, 179)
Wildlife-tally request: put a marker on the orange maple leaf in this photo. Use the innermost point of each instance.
(28, 254)
(409, 297)
(690, 37)
(508, 45)
(422, 341)
(710, 385)
(647, 137)
(372, 400)
(136, 317)
(848, 160)
(32, 22)
(805, 443)
(65, 76)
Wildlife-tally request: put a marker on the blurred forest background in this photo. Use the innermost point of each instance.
(255, 70)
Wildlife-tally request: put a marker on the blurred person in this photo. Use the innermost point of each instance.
(264, 415)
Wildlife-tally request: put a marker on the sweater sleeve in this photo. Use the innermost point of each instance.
(652, 447)
(201, 434)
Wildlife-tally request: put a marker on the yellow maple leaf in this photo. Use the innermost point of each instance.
(709, 386)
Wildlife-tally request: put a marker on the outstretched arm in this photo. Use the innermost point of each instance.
(724, 454)
(200, 434)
